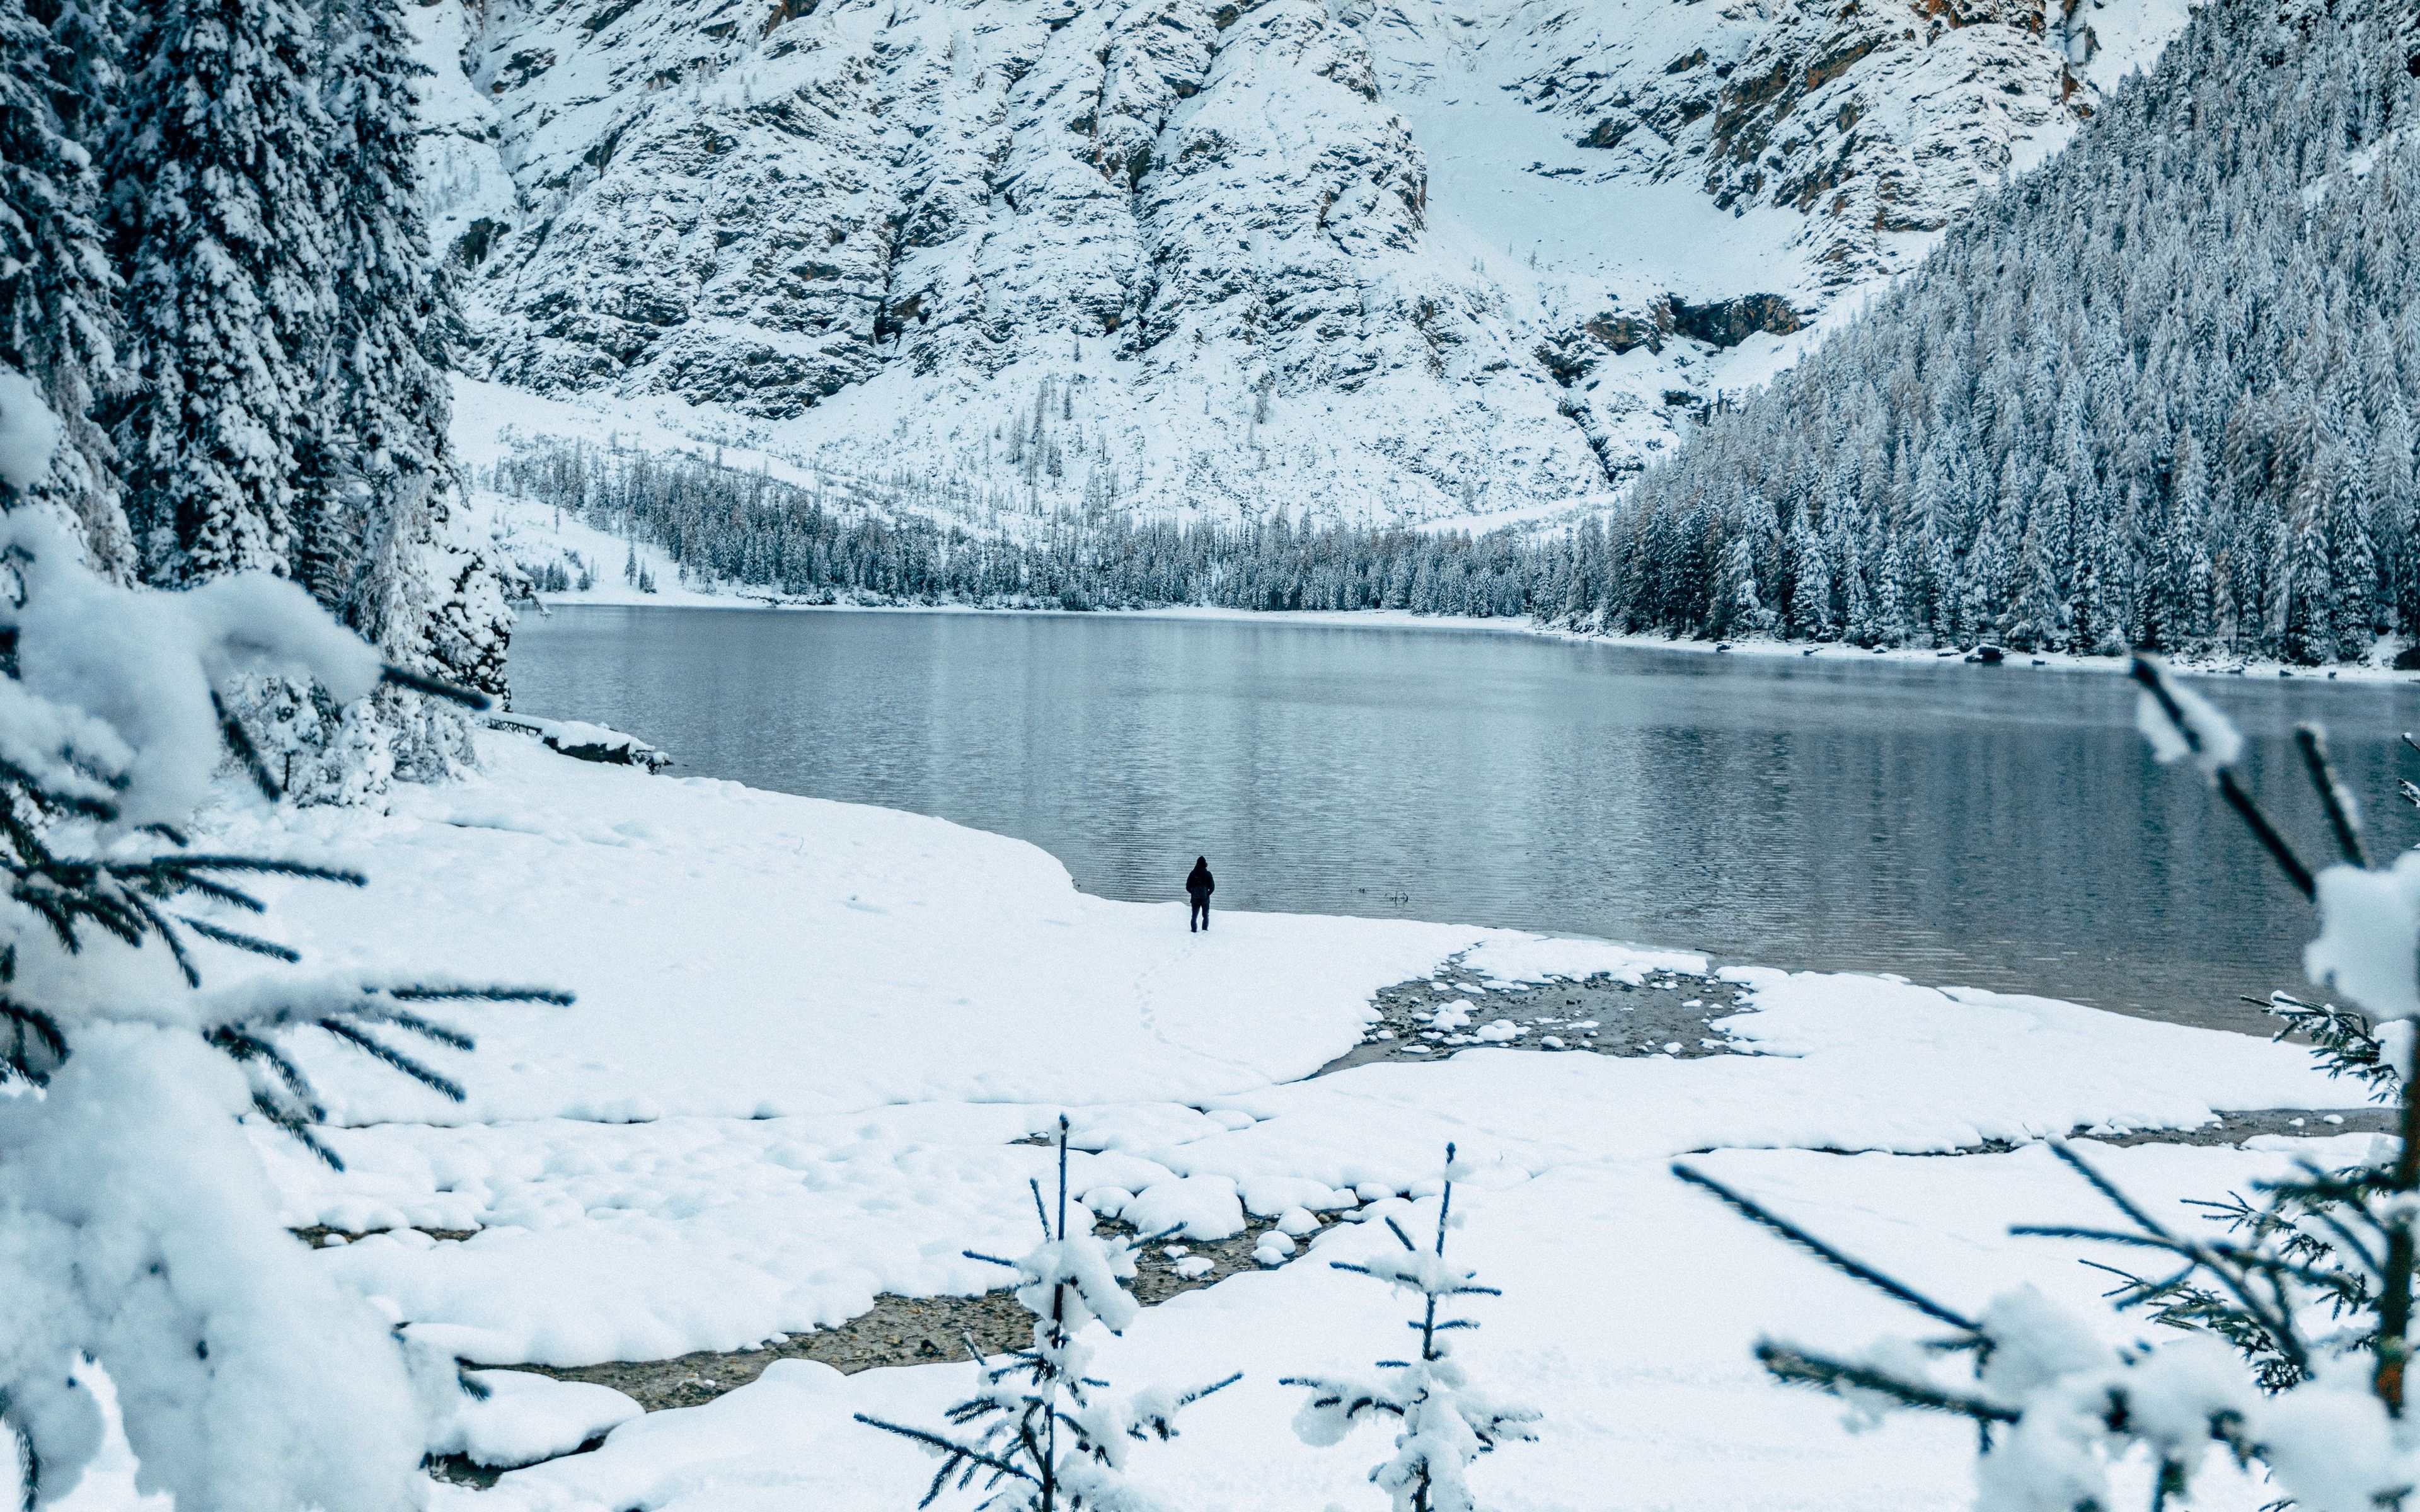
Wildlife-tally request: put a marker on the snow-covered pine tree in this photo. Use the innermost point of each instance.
(216, 180)
(1446, 1423)
(2037, 616)
(2305, 610)
(2352, 558)
(144, 1239)
(1739, 609)
(364, 508)
(2392, 503)
(2290, 1338)
(1811, 597)
(2179, 609)
(375, 473)
(57, 71)
(1052, 1438)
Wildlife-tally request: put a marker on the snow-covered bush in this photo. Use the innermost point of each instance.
(137, 1228)
(1053, 1437)
(1447, 1423)
(2290, 1325)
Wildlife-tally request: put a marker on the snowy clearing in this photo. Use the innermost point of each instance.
(811, 1040)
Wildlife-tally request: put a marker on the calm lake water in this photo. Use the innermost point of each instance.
(1989, 826)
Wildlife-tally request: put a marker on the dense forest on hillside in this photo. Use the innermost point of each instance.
(2160, 392)
(725, 526)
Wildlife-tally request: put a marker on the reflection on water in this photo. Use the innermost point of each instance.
(1997, 827)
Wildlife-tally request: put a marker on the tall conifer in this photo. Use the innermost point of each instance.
(216, 179)
(58, 69)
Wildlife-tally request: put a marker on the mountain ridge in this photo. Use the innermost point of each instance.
(1357, 261)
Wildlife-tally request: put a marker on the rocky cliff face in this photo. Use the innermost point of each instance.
(1866, 119)
(1413, 259)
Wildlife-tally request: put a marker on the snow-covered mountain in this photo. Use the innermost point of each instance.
(1420, 259)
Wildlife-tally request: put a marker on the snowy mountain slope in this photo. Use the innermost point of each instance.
(1423, 260)
(462, 174)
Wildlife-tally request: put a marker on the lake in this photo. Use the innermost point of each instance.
(1999, 827)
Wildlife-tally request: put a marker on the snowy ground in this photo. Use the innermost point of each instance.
(812, 1039)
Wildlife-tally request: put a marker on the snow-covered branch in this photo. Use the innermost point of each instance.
(2288, 1327)
(137, 1228)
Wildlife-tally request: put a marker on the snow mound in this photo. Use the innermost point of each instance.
(583, 741)
(527, 1418)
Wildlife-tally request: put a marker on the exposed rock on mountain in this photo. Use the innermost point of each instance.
(1867, 119)
(1414, 259)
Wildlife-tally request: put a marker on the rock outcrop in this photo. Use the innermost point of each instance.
(1351, 259)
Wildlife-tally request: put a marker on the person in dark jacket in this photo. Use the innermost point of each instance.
(1199, 887)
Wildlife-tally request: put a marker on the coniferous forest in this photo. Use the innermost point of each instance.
(723, 525)
(2159, 393)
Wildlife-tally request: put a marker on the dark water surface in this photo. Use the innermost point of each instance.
(1991, 827)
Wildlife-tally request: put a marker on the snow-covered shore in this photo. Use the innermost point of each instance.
(811, 1037)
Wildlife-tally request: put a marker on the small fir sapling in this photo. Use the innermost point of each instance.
(2289, 1326)
(1445, 1424)
(138, 1230)
(1051, 1436)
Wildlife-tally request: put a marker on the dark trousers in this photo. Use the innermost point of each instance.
(1201, 915)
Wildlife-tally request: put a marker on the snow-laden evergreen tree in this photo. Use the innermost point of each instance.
(1052, 1437)
(1444, 1421)
(2285, 1337)
(239, 176)
(57, 74)
(365, 514)
(138, 1230)
(374, 472)
(217, 182)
